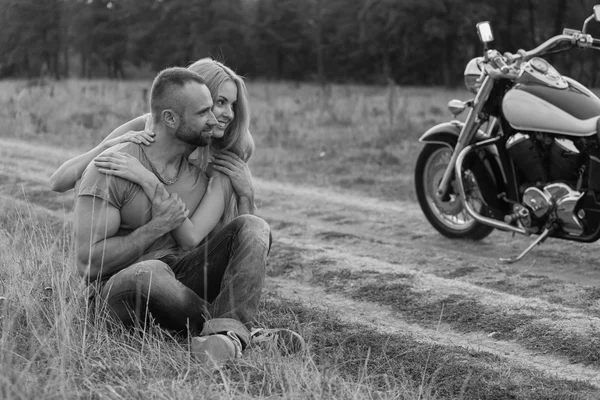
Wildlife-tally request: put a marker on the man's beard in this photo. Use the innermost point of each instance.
(190, 136)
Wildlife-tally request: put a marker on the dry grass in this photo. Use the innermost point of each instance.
(363, 138)
(52, 345)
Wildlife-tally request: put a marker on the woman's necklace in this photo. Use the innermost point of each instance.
(159, 176)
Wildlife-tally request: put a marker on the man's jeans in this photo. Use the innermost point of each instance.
(219, 282)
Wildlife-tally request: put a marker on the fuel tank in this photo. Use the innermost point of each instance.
(568, 108)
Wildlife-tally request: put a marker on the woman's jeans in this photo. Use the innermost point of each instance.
(214, 288)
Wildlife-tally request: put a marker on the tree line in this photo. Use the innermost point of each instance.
(416, 42)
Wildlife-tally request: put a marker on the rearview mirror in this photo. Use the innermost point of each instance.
(484, 30)
(597, 12)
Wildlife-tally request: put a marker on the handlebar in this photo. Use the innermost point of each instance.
(500, 63)
(576, 38)
(553, 41)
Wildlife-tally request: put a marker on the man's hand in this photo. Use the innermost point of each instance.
(168, 210)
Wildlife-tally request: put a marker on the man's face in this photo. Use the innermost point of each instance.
(197, 121)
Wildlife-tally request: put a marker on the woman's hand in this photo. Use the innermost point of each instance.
(140, 137)
(145, 136)
(124, 166)
(238, 172)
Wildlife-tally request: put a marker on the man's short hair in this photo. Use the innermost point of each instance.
(166, 89)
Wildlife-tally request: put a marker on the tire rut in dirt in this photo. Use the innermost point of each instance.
(506, 359)
(421, 298)
(468, 265)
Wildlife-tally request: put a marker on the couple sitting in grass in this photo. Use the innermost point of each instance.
(160, 236)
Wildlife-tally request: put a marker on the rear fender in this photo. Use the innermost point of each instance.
(487, 169)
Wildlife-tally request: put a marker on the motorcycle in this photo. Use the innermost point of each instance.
(526, 159)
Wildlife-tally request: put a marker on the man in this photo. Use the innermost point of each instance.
(124, 247)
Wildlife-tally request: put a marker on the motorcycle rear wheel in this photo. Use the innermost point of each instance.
(450, 218)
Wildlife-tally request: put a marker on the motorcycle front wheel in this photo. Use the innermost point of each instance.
(448, 217)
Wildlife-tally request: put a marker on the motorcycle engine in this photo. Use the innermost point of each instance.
(540, 159)
(549, 171)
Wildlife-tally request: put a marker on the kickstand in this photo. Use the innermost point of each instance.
(544, 235)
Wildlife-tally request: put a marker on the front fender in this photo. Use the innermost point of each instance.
(447, 133)
(444, 133)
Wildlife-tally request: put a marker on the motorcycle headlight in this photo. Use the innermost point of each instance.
(472, 83)
(472, 74)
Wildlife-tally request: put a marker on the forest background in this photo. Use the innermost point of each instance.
(406, 42)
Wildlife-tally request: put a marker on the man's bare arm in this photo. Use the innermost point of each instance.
(99, 252)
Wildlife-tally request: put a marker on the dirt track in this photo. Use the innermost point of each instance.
(379, 263)
(353, 233)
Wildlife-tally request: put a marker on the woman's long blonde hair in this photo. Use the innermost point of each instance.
(237, 137)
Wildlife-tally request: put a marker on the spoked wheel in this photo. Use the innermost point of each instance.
(448, 217)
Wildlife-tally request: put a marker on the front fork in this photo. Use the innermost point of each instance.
(467, 132)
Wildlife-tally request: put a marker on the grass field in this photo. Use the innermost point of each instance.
(389, 309)
(357, 137)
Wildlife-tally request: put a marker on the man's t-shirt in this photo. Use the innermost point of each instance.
(135, 207)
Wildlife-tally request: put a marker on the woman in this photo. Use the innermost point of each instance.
(231, 148)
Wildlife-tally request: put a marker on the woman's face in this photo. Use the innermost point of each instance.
(224, 107)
